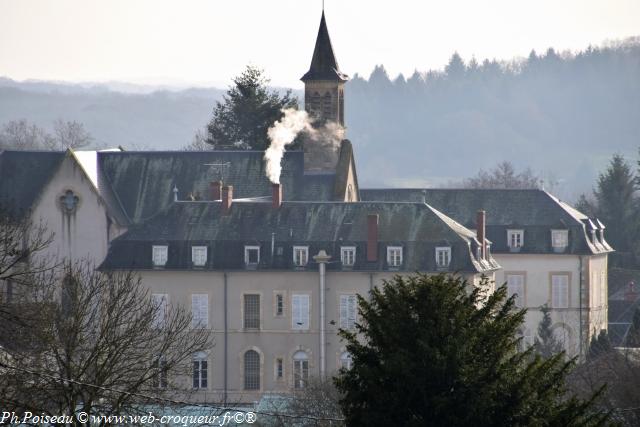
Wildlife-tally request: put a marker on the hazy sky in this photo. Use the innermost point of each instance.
(206, 42)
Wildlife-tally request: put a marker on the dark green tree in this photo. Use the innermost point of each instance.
(546, 344)
(433, 350)
(599, 346)
(616, 205)
(248, 109)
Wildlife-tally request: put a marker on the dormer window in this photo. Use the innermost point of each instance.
(515, 240)
(348, 256)
(559, 239)
(443, 257)
(394, 256)
(199, 256)
(159, 255)
(300, 256)
(251, 256)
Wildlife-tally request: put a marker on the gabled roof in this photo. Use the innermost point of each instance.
(319, 225)
(323, 64)
(535, 211)
(23, 176)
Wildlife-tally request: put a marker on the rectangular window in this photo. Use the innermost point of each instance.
(348, 311)
(279, 304)
(159, 302)
(394, 256)
(279, 368)
(159, 366)
(559, 238)
(515, 238)
(252, 311)
(560, 291)
(200, 368)
(299, 311)
(300, 256)
(159, 255)
(515, 286)
(199, 311)
(348, 256)
(252, 255)
(300, 373)
(199, 256)
(443, 257)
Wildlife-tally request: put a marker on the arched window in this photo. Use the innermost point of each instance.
(251, 370)
(345, 360)
(300, 369)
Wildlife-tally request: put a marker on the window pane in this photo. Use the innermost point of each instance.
(251, 370)
(252, 311)
(200, 310)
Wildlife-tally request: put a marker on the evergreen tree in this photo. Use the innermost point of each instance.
(546, 344)
(247, 111)
(633, 337)
(600, 345)
(616, 204)
(433, 350)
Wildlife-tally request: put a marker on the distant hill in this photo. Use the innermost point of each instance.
(561, 114)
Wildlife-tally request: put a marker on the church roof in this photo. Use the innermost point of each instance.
(323, 64)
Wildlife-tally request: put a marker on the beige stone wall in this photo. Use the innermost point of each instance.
(537, 270)
(276, 337)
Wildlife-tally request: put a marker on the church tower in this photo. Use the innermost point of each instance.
(324, 82)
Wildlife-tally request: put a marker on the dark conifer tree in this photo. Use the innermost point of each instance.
(546, 344)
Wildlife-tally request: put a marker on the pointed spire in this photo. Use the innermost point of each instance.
(323, 64)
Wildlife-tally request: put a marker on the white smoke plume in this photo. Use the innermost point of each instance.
(281, 134)
(321, 149)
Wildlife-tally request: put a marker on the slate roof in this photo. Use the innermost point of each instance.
(417, 227)
(534, 211)
(140, 184)
(23, 175)
(323, 63)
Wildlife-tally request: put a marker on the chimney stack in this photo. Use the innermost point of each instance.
(372, 237)
(276, 195)
(216, 190)
(227, 199)
(481, 233)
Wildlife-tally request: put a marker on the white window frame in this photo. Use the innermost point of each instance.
(200, 373)
(516, 286)
(304, 258)
(348, 256)
(390, 250)
(346, 361)
(300, 311)
(160, 377)
(559, 296)
(510, 238)
(300, 369)
(556, 235)
(199, 311)
(446, 250)
(161, 301)
(348, 311)
(199, 256)
(247, 249)
(159, 255)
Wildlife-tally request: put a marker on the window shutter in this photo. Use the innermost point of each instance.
(560, 291)
(200, 310)
(300, 311)
(344, 311)
(352, 311)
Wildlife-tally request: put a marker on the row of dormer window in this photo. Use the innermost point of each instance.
(300, 256)
(559, 239)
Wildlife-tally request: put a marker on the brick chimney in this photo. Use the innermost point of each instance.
(480, 232)
(276, 195)
(372, 237)
(227, 199)
(216, 190)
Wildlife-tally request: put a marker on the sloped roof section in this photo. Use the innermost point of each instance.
(323, 64)
(141, 184)
(319, 225)
(23, 176)
(535, 211)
